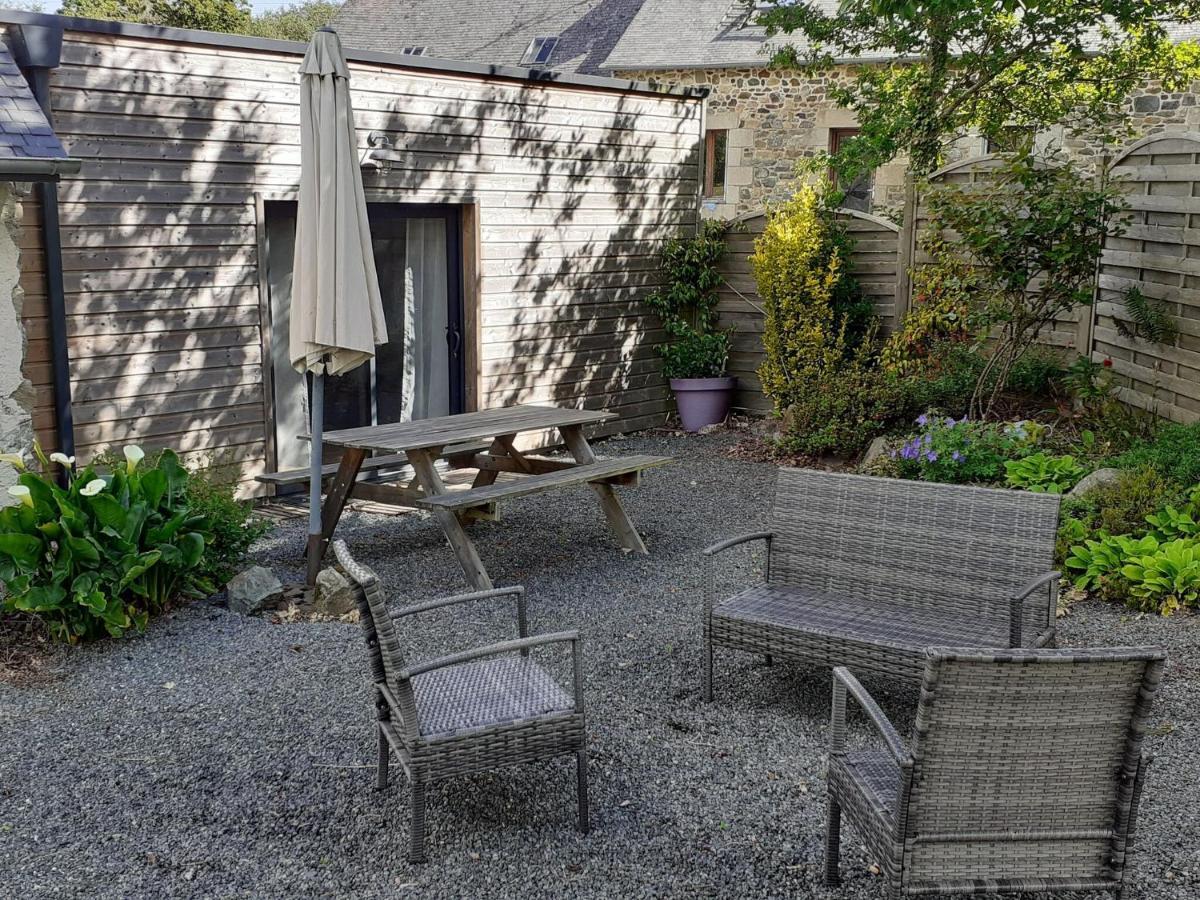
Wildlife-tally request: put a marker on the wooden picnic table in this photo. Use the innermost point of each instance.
(484, 441)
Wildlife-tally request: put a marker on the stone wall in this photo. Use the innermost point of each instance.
(16, 393)
(777, 119)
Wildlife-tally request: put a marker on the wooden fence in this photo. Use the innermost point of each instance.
(873, 262)
(1158, 253)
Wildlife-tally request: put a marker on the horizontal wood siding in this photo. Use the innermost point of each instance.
(873, 263)
(35, 317)
(574, 191)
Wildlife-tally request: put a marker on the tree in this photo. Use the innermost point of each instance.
(296, 22)
(1034, 234)
(982, 64)
(207, 15)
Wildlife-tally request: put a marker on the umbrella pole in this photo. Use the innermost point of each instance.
(315, 458)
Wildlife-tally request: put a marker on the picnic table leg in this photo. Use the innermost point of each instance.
(331, 512)
(472, 566)
(614, 511)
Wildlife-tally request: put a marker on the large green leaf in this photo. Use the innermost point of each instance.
(108, 511)
(191, 545)
(166, 531)
(177, 475)
(132, 531)
(25, 549)
(137, 567)
(83, 549)
(42, 492)
(154, 486)
(41, 598)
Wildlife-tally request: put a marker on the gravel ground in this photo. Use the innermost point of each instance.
(219, 756)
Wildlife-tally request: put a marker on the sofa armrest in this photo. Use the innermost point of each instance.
(844, 682)
(1016, 611)
(709, 552)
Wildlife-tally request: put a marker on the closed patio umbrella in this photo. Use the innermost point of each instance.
(337, 314)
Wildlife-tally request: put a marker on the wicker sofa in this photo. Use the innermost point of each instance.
(1023, 774)
(867, 572)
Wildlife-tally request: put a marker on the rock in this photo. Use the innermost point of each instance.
(1094, 480)
(253, 590)
(334, 595)
(874, 451)
(709, 429)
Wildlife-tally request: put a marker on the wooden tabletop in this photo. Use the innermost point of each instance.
(473, 426)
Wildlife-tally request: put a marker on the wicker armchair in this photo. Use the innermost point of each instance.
(868, 572)
(1024, 772)
(469, 712)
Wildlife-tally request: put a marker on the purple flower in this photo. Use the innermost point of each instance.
(922, 420)
(932, 456)
(950, 423)
(956, 456)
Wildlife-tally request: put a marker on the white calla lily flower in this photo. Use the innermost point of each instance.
(22, 493)
(133, 455)
(16, 460)
(92, 488)
(62, 459)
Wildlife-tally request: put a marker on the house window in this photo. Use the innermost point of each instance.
(716, 146)
(414, 51)
(539, 51)
(858, 192)
(1010, 139)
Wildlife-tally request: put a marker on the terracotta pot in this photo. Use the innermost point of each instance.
(702, 401)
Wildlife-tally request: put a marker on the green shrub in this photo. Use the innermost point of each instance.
(1166, 578)
(1096, 562)
(687, 304)
(103, 553)
(1041, 473)
(958, 451)
(232, 526)
(1119, 507)
(1173, 451)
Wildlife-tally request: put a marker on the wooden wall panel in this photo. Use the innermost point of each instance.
(571, 190)
(873, 263)
(35, 317)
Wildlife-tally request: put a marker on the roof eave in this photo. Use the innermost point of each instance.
(25, 168)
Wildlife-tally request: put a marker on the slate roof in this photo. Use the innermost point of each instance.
(490, 31)
(24, 132)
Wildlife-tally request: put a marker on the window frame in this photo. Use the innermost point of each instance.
(713, 190)
(836, 138)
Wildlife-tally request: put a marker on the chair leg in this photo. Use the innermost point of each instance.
(768, 659)
(833, 843)
(385, 753)
(707, 691)
(581, 776)
(416, 853)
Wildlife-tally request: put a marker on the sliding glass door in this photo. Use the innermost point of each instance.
(419, 372)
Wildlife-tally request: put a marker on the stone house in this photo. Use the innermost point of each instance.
(760, 122)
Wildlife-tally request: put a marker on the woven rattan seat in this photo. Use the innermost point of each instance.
(470, 712)
(867, 572)
(869, 622)
(1023, 774)
(485, 694)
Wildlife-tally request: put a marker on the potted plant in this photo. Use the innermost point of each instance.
(696, 352)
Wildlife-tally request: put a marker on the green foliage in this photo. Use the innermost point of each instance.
(231, 16)
(687, 304)
(1165, 579)
(103, 553)
(985, 67)
(961, 451)
(231, 526)
(1118, 507)
(1035, 232)
(1148, 320)
(1097, 563)
(296, 22)
(940, 315)
(825, 385)
(1087, 381)
(1041, 473)
(1173, 451)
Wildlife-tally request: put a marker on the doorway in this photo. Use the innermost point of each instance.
(419, 373)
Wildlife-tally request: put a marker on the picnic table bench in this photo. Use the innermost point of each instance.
(484, 441)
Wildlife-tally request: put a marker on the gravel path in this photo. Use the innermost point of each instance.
(219, 756)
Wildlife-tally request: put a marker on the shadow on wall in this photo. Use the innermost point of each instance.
(576, 189)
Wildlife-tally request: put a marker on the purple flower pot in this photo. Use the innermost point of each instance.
(702, 401)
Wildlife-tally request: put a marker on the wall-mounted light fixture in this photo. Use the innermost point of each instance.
(376, 155)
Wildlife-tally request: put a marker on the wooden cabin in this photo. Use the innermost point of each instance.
(517, 218)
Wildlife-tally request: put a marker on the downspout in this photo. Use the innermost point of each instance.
(37, 49)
